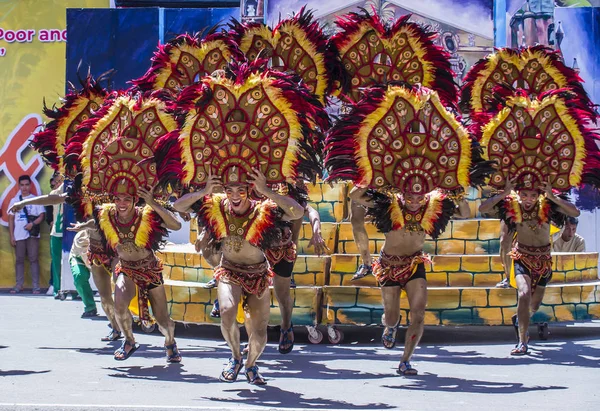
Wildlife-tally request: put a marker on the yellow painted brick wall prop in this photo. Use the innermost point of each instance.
(558, 277)
(589, 274)
(431, 318)
(465, 229)
(564, 312)
(486, 280)
(508, 312)
(370, 297)
(179, 259)
(475, 297)
(176, 274)
(565, 262)
(443, 263)
(475, 264)
(502, 297)
(496, 264)
(587, 293)
(195, 313)
(594, 310)
(443, 299)
(571, 294)
(437, 279)
(548, 310)
(489, 229)
(451, 247)
(476, 247)
(190, 274)
(181, 294)
(553, 296)
(460, 279)
(573, 276)
(177, 311)
(581, 261)
(459, 316)
(490, 316)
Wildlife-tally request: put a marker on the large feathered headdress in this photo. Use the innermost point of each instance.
(375, 53)
(539, 139)
(400, 138)
(244, 119)
(297, 45)
(535, 69)
(186, 59)
(118, 151)
(78, 106)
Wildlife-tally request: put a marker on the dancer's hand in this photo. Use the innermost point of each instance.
(77, 227)
(258, 181)
(213, 182)
(318, 242)
(16, 207)
(146, 195)
(509, 186)
(546, 186)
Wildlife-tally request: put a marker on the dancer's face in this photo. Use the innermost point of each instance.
(413, 201)
(528, 198)
(124, 203)
(237, 194)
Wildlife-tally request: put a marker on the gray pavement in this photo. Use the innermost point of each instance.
(50, 359)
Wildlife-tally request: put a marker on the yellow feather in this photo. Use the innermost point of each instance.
(110, 233)
(433, 209)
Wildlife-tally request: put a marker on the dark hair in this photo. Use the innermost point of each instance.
(572, 220)
(24, 177)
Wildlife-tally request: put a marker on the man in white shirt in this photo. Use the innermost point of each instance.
(568, 241)
(20, 225)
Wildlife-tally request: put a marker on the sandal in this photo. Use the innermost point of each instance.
(286, 341)
(362, 271)
(257, 379)
(216, 311)
(113, 335)
(388, 339)
(404, 368)
(175, 354)
(121, 354)
(232, 369)
(520, 349)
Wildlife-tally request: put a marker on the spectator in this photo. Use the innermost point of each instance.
(568, 241)
(80, 267)
(24, 229)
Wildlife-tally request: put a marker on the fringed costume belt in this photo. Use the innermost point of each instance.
(146, 274)
(253, 278)
(397, 269)
(286, 252)
(535, 259)
(98, 256)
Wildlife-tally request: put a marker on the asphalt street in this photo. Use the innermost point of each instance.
(50, 359)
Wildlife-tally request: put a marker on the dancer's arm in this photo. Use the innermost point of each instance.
(169, 220)
(357, 194)
(45, 200)
(317, 239)
(564, 206)
(292, 210)
(185, 203)
(488, 205)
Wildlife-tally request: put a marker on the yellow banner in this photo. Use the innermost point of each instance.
(32, 67)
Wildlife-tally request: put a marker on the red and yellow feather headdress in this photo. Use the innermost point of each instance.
(296, 44)
(78, 106)
(400, 138)
(375, 53)
(121, 144)
(535, 69)
(243, 119)
(534, 140)
(186, 59)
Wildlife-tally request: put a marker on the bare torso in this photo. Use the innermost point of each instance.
(130, 252)
(239, 251)
(403, 242)
(537, 236)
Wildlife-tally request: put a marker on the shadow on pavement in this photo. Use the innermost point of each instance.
(9, 373)
(433, 382)
(275, 397)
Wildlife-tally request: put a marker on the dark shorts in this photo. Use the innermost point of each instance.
(520, 269)
(420, 273)
(284, 268)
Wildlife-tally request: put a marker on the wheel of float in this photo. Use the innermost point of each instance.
(334, 335)
(543, 331)
(315, 336)
(148, 328)
(62, 296)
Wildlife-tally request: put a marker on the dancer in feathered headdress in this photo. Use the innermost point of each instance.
(245, 130)
(407, 156)
(374, 53)
(117, 159)
(543, 147)
(53, 142)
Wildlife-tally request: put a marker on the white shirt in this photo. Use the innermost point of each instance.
(21, 219)
(576, 245)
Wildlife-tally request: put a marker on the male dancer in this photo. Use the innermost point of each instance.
(135, 233)
(401, 263)
(531, 254)
(244, 227)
